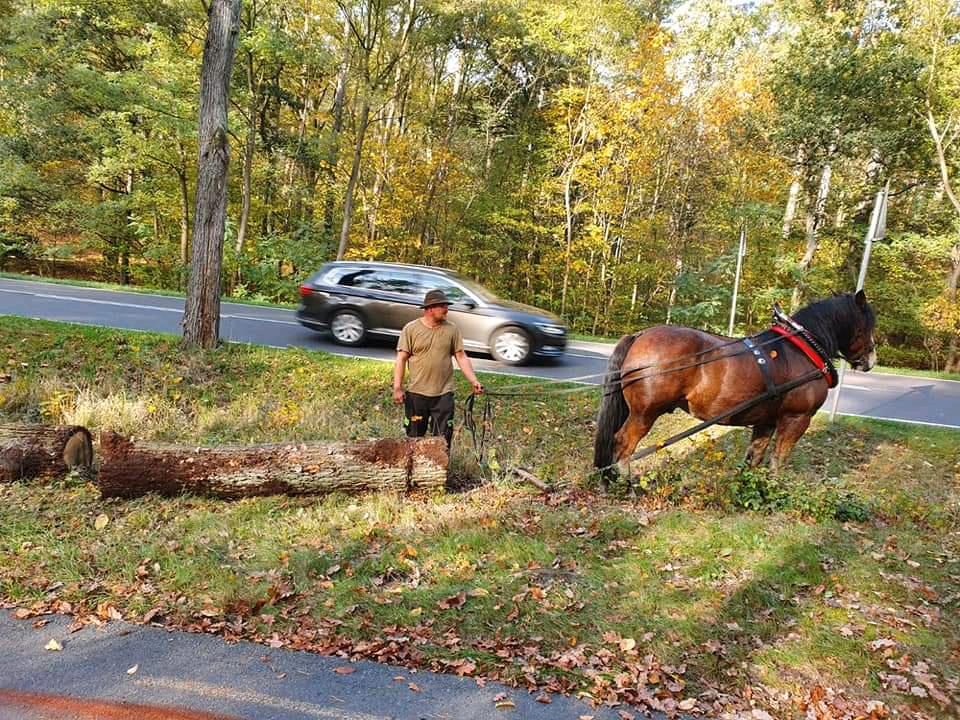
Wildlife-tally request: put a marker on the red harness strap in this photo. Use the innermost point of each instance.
(805, 348)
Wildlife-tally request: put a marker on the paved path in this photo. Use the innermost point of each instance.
(875, 395)
(243, 680)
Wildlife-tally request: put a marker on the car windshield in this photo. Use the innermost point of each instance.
(476, 288)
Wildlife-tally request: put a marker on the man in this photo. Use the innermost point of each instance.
(428, 343)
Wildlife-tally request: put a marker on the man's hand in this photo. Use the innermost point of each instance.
(477, 387)
(398, 396)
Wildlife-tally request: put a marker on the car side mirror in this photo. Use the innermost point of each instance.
(468, 303)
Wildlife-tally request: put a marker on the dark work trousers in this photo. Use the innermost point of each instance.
(423, 413)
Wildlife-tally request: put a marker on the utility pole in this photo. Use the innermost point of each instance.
(741, 251)
(876, 231)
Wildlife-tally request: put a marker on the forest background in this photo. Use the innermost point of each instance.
(596, 158)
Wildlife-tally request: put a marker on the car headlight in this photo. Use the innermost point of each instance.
(551, 329)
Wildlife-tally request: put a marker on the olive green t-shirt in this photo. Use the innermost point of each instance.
(431, 349)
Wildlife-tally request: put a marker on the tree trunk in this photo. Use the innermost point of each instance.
(952, 363)
(248, 150)
(28, 451)
(334, 152)
(568, 233)
(184, 228)
(201, 317)
(815, 215)
(132, 469)
(793, 197)
(354, 174)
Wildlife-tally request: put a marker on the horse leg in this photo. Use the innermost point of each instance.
(758, 445)
(625, 441)
(789, 430)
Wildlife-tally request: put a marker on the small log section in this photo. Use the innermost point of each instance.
(29, 451)
(130, 468)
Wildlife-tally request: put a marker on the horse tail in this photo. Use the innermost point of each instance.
(613, 406)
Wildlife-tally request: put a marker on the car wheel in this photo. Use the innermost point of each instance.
(511, 345)
(348, 327)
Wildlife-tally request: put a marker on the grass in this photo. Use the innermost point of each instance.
(727, 589)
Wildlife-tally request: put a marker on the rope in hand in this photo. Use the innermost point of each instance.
(478, 434)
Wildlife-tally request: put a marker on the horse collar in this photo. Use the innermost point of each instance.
(803, 340)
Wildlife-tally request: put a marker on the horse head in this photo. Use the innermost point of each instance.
(861, 348)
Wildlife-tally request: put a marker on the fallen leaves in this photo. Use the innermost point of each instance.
(452, 602)
(53, 646)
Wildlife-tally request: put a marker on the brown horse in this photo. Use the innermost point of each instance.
(666, 367)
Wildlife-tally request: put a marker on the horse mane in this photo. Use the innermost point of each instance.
(835, 321)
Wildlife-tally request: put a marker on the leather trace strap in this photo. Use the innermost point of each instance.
(802, 342)
(763, 362)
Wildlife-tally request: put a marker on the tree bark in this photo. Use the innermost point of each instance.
(354, 174)
(815, 215)
(793, 196)
(184, 214)
(132, 469)
(28, 451)
(952, 363)
(335, 131)
(201, 317)
(248, 150)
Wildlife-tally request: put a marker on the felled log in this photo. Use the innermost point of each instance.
(28, 451)
(131, 468)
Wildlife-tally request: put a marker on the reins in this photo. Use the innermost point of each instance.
(480, 432)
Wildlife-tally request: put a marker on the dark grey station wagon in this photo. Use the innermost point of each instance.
(356, 299)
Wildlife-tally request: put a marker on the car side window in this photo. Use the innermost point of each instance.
(451, 290)
(356, 277)
(403, 283)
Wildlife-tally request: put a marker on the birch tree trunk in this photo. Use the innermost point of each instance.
(354, 174)
(184, 214)
(815, 216)
(793, 196)
(333, 155)
(953, 351)
(953, 279)
(201, 317)
(248, 150)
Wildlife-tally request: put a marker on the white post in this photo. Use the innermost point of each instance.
(878, 224)
(741, 251)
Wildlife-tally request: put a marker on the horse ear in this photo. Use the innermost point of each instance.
(861, 298)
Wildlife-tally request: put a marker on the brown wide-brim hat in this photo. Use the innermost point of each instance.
(435, 297)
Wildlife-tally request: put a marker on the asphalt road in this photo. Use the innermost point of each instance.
(874, 395)
(126, 663)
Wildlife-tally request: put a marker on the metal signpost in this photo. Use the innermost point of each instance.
(877, 230)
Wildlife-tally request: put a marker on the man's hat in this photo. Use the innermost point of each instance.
(435, 297)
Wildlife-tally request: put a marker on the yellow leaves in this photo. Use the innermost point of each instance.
(57, 406)
(408, 552)
(101, 522)
(53, 646)
(627, 644)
